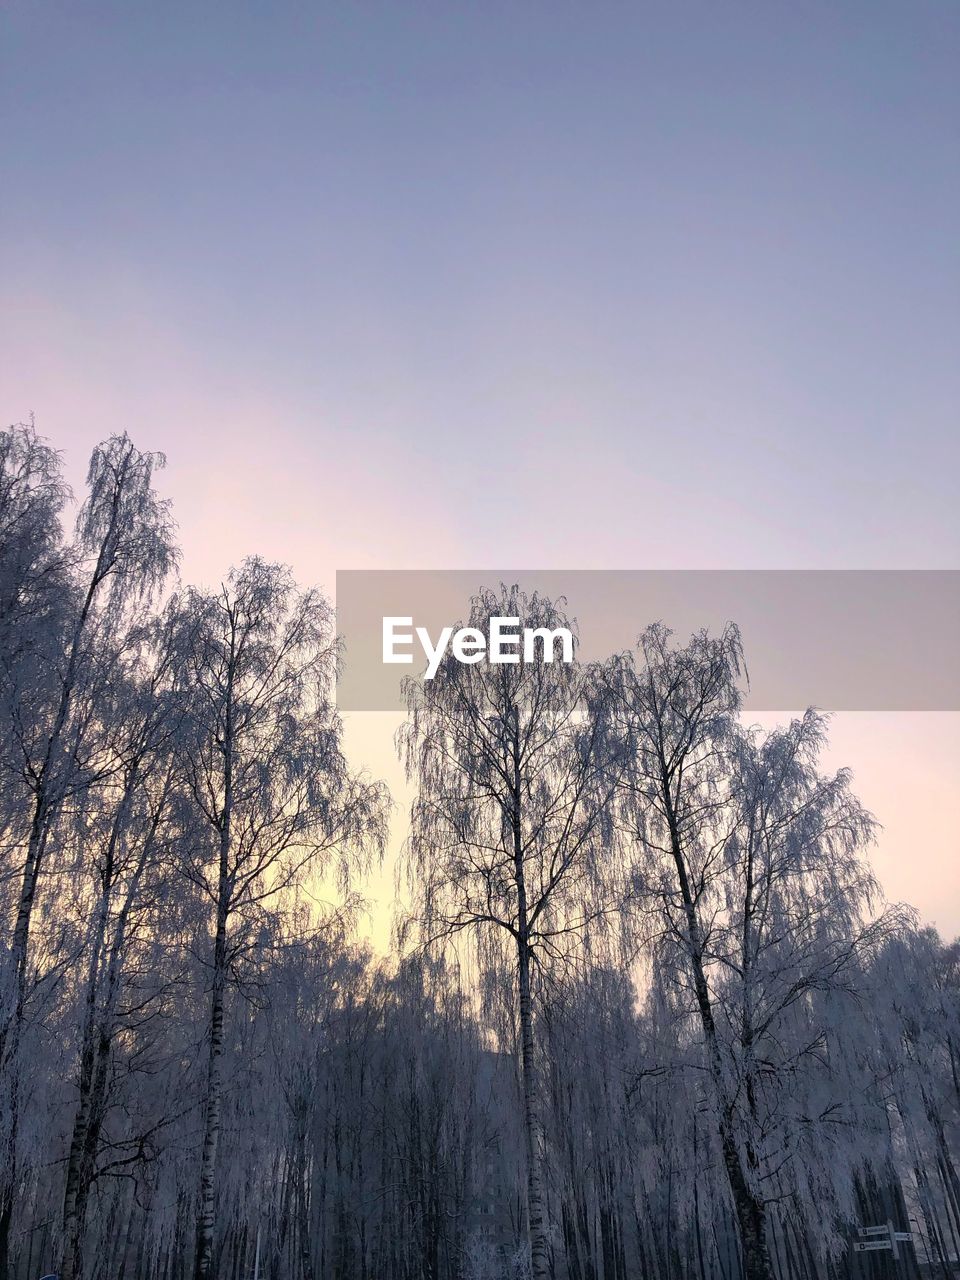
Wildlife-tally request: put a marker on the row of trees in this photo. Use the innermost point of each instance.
(643, 1016)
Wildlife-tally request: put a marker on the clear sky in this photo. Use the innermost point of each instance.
(567, 284)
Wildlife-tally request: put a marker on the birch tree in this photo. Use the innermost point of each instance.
(686, 1038)
(510, 838)
(130, 833)
(752, 861)
(122, 551)
(915, 1009)
(271, 792)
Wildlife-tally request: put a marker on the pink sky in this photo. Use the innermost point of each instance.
(420, 286)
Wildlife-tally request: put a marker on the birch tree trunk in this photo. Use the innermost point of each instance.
(98, 1033)
(749, 1209)
(533, 1130)
(72, 1264)
(203, 1266)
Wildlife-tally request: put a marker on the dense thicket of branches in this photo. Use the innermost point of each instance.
(646, 1016)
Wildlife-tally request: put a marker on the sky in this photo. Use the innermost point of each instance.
(571, 285)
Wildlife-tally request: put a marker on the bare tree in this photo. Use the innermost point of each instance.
(122, 551)
(728, 1055)
(751, 861)
(271, 791)
(510, 838)
(128, 835)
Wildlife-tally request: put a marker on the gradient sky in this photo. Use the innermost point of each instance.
(441, 285)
